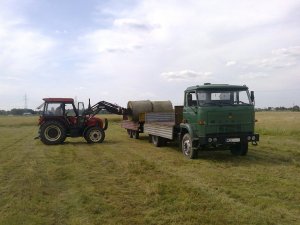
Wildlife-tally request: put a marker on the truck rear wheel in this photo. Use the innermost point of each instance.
(240, 149)
(52, 133)
(187, 147)
(94, 135)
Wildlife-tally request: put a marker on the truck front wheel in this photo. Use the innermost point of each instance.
(187, 147)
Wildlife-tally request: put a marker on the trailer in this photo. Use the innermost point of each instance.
(163, 127)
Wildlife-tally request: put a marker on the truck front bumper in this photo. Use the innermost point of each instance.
(227, 139)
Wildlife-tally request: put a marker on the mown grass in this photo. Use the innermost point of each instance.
(127, 181)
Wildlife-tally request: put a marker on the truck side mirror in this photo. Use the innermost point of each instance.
(252, 96)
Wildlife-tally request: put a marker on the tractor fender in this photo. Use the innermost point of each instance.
(105, 124)
(99, 123)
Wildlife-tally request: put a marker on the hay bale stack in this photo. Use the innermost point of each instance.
(162, 106)
(146, 106)
(138, 107)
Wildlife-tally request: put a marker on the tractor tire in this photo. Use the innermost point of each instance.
(187, 147)
(52, 133)
(94, 135)
(240, 149)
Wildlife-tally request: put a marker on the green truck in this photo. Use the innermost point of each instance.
(213, 117)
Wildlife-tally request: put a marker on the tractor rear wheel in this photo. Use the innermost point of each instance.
(52, 133)
(94, 135)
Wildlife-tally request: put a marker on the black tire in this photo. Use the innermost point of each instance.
(94, 135)
(53, 133)
(239, 149)
(135, 134)
(187, 147)
(157, 141)
(130, 133)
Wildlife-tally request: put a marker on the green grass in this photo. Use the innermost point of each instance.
(127, 181)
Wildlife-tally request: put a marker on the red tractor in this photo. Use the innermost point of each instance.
(60, 119)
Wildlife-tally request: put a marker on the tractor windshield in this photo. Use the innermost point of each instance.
(226, 97)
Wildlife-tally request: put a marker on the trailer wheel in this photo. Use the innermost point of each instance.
(135, 134)
(52, 133)
(240, 149)
(157, 141)
(187, 147)
(130, 133)
(94, 135)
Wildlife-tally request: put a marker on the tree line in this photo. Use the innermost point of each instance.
(295, 108)
(19, 112)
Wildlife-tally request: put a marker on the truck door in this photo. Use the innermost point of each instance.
(190, 111)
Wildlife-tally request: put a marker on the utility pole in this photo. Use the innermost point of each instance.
(25, 99)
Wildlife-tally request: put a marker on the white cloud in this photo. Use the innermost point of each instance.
(130, 46)
(279, 58)
(23, 50)
(254, 76)
(231, 63)
(185, 75)
(134, 24)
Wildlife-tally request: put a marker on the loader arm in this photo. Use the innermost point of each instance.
(112, 108)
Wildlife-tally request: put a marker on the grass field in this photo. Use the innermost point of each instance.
(127, 181)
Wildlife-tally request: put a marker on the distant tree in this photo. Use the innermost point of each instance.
(3, 112)
(18, 112)
(296, 108)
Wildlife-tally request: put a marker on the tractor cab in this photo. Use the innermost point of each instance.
(63, 109)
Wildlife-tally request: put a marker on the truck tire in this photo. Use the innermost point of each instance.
(240, 149)
(187, 147)
(52, 133)
(94, 135)
(157, 141)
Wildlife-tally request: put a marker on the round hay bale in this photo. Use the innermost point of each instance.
(162, 106)
(138, 107)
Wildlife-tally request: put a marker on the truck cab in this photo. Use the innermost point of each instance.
(218, 116)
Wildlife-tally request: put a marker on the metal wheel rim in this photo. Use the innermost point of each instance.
(48, 130)
(187, 147)
(95, 135)
(154, 139)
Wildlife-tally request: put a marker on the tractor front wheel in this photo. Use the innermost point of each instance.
(52, 133)
(94, 135)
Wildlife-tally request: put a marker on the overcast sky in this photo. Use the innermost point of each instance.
(121, 50)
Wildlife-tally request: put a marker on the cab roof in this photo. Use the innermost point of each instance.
(59, 100)
(209, 86)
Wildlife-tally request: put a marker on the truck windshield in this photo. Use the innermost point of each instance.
(217, 97)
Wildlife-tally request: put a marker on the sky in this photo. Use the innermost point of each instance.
(123, 50)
